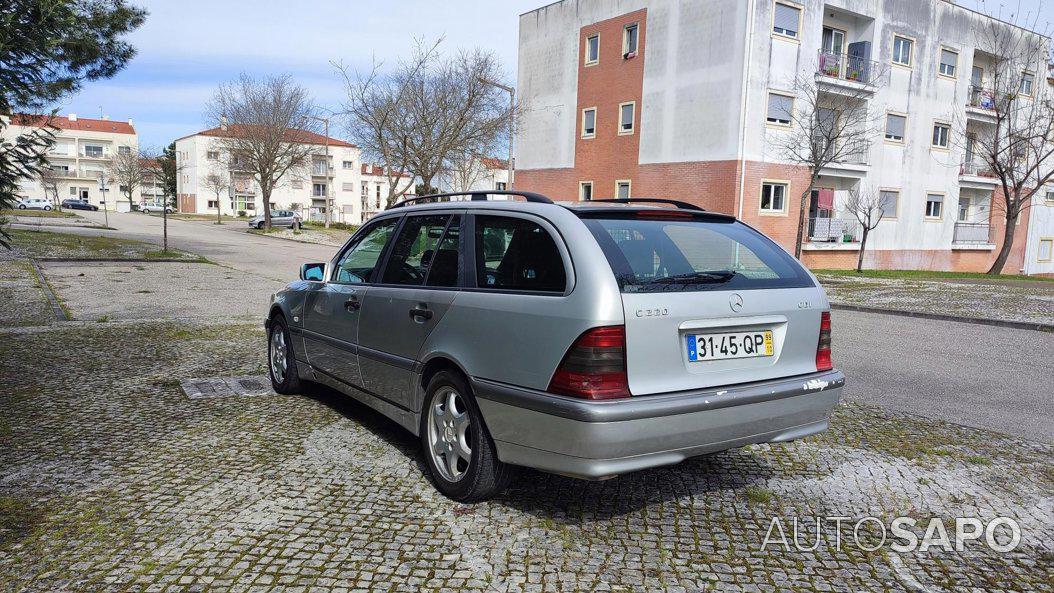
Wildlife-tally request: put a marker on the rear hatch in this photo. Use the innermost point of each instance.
(708, 301)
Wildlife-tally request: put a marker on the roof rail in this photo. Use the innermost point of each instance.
(677, 203)
(477, 196)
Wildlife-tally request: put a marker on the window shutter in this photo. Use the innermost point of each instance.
(948, 58)
(895, 125)
(786, 19)
(780, 107)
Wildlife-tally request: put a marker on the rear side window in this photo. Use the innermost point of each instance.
(661, 255)
(517, 254)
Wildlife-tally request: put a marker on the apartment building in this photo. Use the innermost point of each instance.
(354, 189)
(688, 99)
(481, 174)
(80, 158)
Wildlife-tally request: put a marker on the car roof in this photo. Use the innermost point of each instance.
(576, 207)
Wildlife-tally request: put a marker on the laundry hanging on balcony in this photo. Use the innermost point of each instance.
(825, 199)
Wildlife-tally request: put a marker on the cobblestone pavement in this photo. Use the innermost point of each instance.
(1030, 301)
(111, 479)
(22, 298)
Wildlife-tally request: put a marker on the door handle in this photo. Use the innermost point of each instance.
(352, 304)
(420, 312)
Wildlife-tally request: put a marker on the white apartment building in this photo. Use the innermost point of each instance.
(354, 189)
(688, 99)
(80, 157)
(481, 174)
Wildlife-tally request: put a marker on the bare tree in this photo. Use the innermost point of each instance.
(825, 127)
(866, 207)
(128, 170)
(464, 170)
(1017, 148)
(49, 182)
(217, 183)
(267, 130)
(427, 111)
(164, 167)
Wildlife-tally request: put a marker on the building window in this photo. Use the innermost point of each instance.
(213, 204)
(499, 185)
(773, 197)
(124, 150)
(297, 184)
(941, 133)
(786, 20)
(213, 155)
(365, 189)
(592, 49)
(781, 109)
(122, 188)
(1046, 250)
(589, 122)
(934, 205)
(622, 188)
(902, 47)
(348, 164)
(887, 202)
(318, 190)
(629, 41)
(895, 125)
(1028, 80)
(1049, 198)
(949, 62)
(93, 151)
(585, 191)
(625, 118)
(347, 187)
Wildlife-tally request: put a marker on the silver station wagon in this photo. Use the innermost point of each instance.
(586, 339)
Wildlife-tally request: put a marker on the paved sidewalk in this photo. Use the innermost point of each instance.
(111, 479)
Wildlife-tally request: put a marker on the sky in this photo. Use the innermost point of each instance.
(187, 48)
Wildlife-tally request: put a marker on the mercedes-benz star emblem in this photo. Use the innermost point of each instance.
(736, 302)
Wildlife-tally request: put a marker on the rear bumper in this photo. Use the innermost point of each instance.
(600, 439)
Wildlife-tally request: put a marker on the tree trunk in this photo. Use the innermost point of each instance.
(1008, 244)
(863, 244)
(164, 224)
(801, 220)
(267, 207)
(219, 212)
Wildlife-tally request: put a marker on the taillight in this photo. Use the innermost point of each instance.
(595, 366)
(823, 347)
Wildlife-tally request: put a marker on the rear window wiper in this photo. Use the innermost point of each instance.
(709, 277)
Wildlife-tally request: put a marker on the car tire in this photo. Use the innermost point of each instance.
(46, 208)
(451, 425)
(259, 226)
(21, 206)
(281, 362)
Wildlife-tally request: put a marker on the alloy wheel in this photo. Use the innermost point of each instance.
(449, 435)
(278, 355)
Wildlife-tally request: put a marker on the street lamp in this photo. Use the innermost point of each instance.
(329, 206)
(512, 110)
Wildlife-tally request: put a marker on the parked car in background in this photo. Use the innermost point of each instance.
(587, 339)
(75, 204)
(34, 204)
(287, 218)
(149, 207)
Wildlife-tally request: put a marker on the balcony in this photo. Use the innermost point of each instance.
(980, 105)
(834, 231)
(321, 170)
(972, 233)
(847, 75)
(976, 175)
(854, 165)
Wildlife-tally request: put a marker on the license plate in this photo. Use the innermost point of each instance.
(731, 345)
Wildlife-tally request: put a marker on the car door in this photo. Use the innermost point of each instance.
(421, 277)
(332, 313)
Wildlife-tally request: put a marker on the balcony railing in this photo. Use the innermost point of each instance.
(834, 230)
(976, 169)
(981, 98)
(971, 232)
(846, 67)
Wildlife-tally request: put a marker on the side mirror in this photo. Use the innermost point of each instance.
(313, 272)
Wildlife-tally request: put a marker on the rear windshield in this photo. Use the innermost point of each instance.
(649, 255)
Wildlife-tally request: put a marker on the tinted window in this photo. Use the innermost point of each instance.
(357, 264)
(692, 255)
(443, 270)
(414, 249)
(517, 254)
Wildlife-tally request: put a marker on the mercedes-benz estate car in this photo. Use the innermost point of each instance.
(287, 218)
(588, 339)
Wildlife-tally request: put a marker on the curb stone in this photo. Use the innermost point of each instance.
(1029, 325)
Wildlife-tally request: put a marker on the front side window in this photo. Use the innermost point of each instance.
(694, 254)
(629, 41)
(895, 125)
(773, 197)
(934, 203)
(358, 262)
(786, 20)
(589, 122)
(941, 134)
(887, 203)
(592, 49)
(949, 62)
(781, 109)
(416, 248)
(625, 121)
(902, 48)
(1028, 81)
(517, 254)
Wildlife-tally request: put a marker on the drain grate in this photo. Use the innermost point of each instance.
(211, 387)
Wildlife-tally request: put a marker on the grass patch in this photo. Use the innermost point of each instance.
(340, 226)
(927, 275)
(17, 519)
(759, 495)
(38, 244)
(37, 213)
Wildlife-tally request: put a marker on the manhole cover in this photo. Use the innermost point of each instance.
(209, 387)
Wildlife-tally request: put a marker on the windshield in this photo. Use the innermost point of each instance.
(649, 255)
